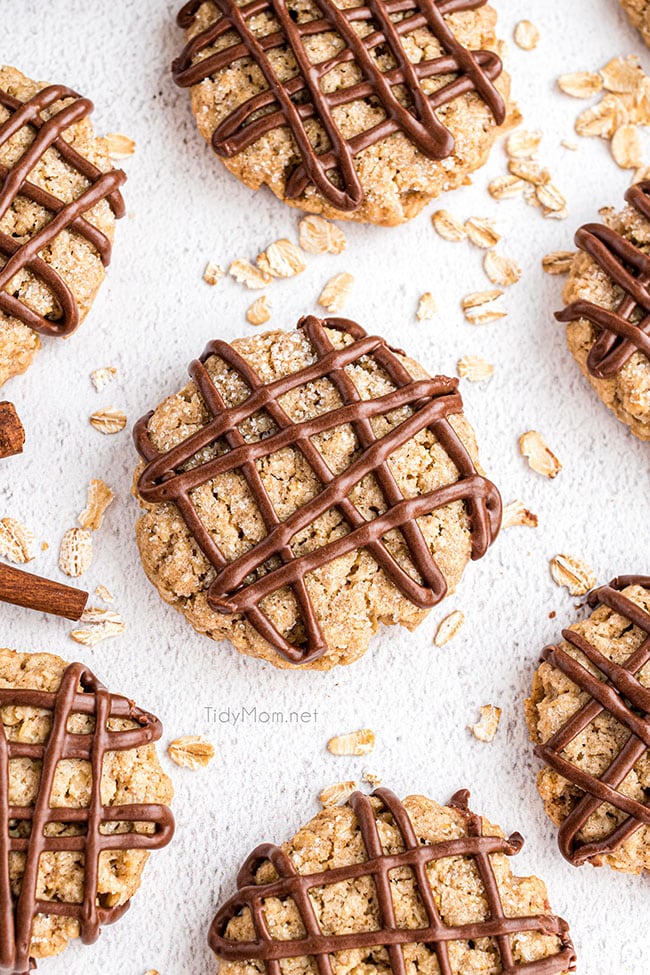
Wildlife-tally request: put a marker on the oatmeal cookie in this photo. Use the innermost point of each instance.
(362, 112)
(384, 887)
(608, 309)
(638, 12)
(307, 486)
(588, 715)
(83, 798)
(59, 199)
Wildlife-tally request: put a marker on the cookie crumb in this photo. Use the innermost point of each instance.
(213, 273)
(16, 541)
(12, 433)
(109, 420)
(259, 312)
(336, 292)
(487, 726)
(573, 573)
(191, 751)
(75, 552)
(333, 795)
(359, 742)
(541, 458)
(517, 514)
(100, 497)
(371, 778)
(558, 262)
(526, 35)
(427, 307)
(449, 627)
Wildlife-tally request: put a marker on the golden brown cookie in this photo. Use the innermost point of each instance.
(608, 313)
(59, 199)
(359, 112)
(82, 800)
(589, 716)
(638, 12)
(385, 888)
(307, 486)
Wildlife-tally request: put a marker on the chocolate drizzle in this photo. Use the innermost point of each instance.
(626, 329)
(64, 216)
(168, 477)
(616, 690)
(304, 96)
(17, 914)
(417, 855)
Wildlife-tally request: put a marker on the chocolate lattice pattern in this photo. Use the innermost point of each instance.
(89, 823)
(169, 478)
(615, 690)
(304, 96)
(416, 856)
(626, 329)
(14, 183)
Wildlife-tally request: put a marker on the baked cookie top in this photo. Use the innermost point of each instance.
(306, 486)
(608, 308)
(82, 801)
(59, 198)
(589, 715)
(382, 886)
(359, 110)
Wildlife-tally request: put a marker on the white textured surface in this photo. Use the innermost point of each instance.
(155, 313)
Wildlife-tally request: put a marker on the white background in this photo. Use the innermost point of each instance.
(155, 313)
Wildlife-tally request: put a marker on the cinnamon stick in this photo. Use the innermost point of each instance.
(12, 434)
(34, 592)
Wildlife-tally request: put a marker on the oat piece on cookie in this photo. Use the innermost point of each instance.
(306, 486)
(364, 111)
(83, 798)
(59, 199)
(385, 887)
(589, 716)
(608, 309)
(638, 12)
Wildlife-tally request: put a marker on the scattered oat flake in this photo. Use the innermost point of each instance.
(475, 369)
(371, 778)
(247, 274)
(259, 312)
(487, 726)
(319, 236)
(102, 377)
(540, 457)
(336, 292)
(426, 307)
(96, 614)
(529, 171)
(603, 119)
(517, 514)
(282, 259)
(580, 84)
(569, 144)
(109, 420)
(448, 226)
(622, 75)
(558, 262)
(16, 541)
(119, 146)
(481, 232)
(641, 174)
(103, 593)
(550, 198)
(449, 627)
(100, 497)
(481, 307)
(107, 630)
(332, 795)
(501, 270)
(76, 552)
(573, 573)
(355, 743)
(213, 273)
(526, 35)
(191, 751)
(523, 144)
(151, 971)
(626, 147)
(506, 187)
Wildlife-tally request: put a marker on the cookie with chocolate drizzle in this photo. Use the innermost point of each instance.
(307, 486)
(364, 111)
